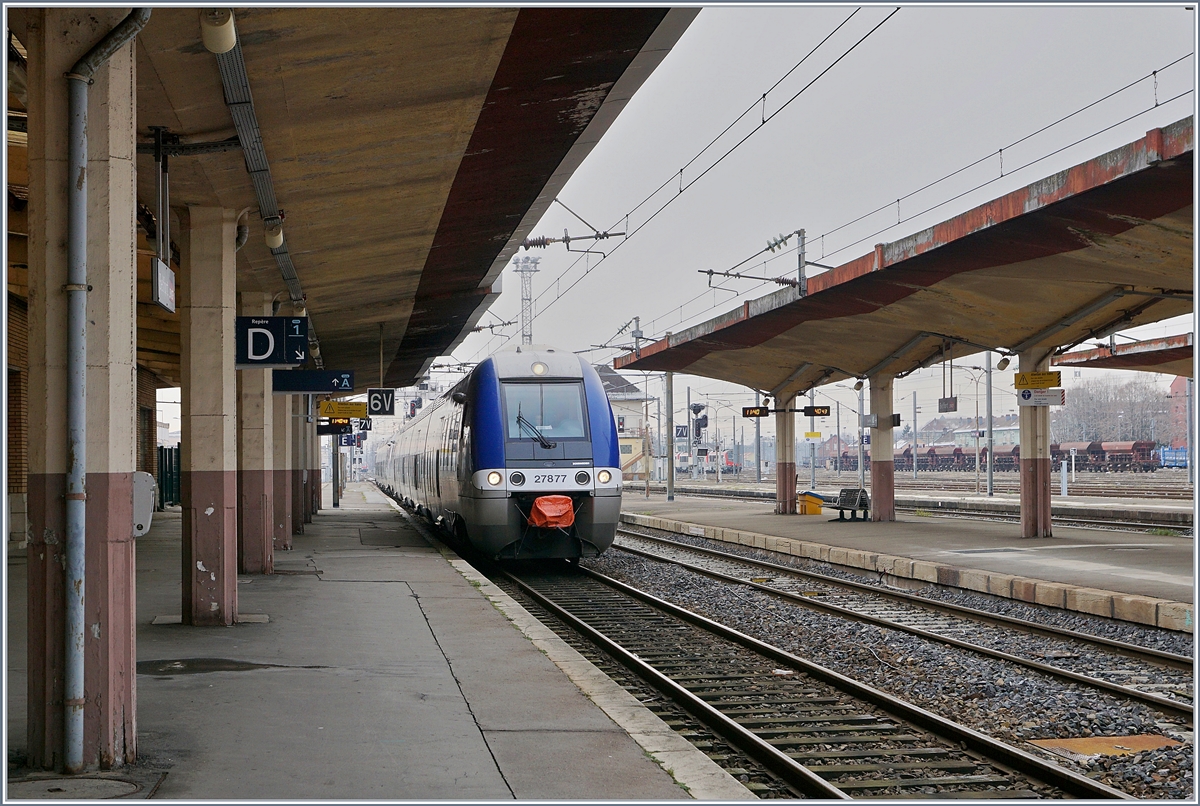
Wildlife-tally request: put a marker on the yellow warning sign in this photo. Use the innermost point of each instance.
(1037, 380)
(340, 408)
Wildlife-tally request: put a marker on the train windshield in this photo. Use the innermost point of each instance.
(555, 410)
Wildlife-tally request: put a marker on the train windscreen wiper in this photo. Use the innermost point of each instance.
(532, 429)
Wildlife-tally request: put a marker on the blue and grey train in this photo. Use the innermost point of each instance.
(525, 423)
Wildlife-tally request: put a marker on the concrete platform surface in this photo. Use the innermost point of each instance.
(380, 671)
(1174, 512)
(1132, 575)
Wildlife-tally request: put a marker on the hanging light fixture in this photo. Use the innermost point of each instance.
(217, 30)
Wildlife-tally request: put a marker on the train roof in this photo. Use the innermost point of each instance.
(518, 362)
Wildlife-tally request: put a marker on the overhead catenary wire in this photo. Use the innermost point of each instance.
(902, 220)
(589, 268)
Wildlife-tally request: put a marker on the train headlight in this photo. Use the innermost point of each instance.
(604, 477)
(517, 479)
(495, 478)
(539, 368)
(582, 477)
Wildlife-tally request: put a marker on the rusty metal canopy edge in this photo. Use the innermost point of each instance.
(890, 293)
(532, 132)
(1171, 355)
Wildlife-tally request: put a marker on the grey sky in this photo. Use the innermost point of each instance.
(932, 90)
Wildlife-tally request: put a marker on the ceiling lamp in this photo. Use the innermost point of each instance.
(216, 29)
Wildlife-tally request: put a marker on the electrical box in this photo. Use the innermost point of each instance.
(145, 491)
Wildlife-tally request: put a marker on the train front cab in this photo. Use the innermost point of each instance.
(509, 467)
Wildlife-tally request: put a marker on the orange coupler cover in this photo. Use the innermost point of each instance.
(552, 511)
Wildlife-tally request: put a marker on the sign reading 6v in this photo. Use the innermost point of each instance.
(381, 402)
(270, 342)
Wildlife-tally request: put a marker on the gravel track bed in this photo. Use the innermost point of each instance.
(1073, 656)
(1141, 635)
(1009, 703)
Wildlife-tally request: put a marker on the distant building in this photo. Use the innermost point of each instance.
(629, 410)
(1001, 435)
(1179, 407)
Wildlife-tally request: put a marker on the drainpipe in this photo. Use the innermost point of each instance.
(80, 78)
(243, 234)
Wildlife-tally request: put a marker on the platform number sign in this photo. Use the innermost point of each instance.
(270, 342)
(381, 402)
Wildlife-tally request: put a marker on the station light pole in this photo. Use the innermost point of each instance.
(862, 476)
(837, 463)
(757, 444)
(671, 436)
(812, 428)
(914, 433)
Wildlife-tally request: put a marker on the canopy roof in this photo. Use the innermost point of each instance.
(1171, 355)
(1107, 244)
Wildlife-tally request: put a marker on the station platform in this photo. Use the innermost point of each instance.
(371, 666)
(1135, 576)
(1166, 512)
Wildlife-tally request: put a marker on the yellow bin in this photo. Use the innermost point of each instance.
(809, 504)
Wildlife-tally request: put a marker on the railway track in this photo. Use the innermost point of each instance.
(1131, 485)
(955, 512)
(1161, 680)
(1080, 523)
(820, 733)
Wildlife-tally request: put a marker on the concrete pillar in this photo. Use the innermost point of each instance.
(56, 38)
(1035, 457)
(785, 456)
(314, 466)
(208, 479)
(256, 438)
(281, 474)
(883, 467)
(299, 471)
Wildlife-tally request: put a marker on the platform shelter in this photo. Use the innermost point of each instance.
(1105, 245)
(366, 170)
(1171, 355)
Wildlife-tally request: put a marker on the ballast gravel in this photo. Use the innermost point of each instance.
(1001, 700)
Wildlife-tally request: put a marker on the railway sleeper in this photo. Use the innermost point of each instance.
(832, 720)
(844, 739)
(807, 704)
(965, 765)
(878, 753)
(819, 713)
(877, 729)
(909, 783)
(984, 794)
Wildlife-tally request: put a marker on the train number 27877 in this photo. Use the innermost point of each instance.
(550, 479)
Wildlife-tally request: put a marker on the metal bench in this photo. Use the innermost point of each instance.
(852, 499)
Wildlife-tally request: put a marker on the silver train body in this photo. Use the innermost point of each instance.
(525, 423)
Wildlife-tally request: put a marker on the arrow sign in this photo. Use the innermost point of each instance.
(311, 381)
(381, 402)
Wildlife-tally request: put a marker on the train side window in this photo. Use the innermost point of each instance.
(464, 448)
